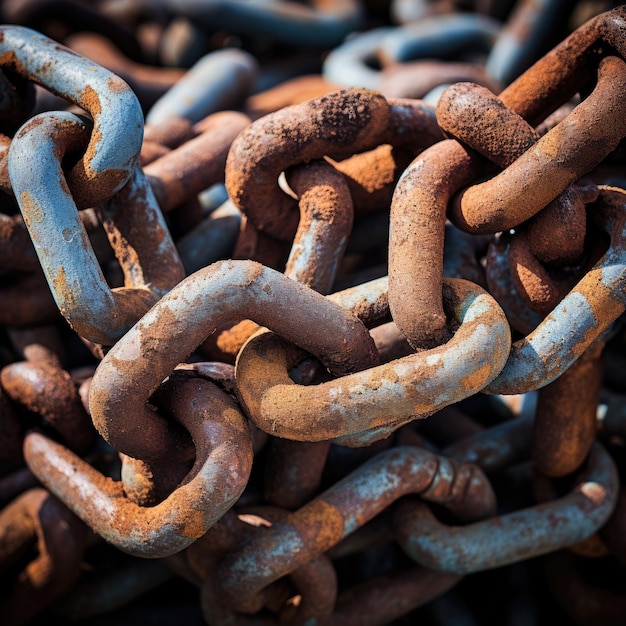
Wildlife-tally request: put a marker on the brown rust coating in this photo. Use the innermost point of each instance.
(371, 176)
(566, 152)
(258, 245)
(556, 77)
(532, 279)
(5, 181)
(151, 151)
(412, 125)
(473, 115)
(214, 483)
(416, 385)
(134, 230)
(565, 422)
(196, 164)
(326, 217)
(37, 516)
(418, 217)
(90, 188)
(422, 196)
(315, 582)
(165, 336)
(500, 284)
(557, 232)
(346, 506)
(49, 391)
(336, 125)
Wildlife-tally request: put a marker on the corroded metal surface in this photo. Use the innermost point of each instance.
(400, 339)
(214, 483)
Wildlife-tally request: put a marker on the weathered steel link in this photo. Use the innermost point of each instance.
(126, 377)
(462, 550)
(115, 141)
(579, 319)
(483, 209)
(437, 187)
(345, 507)
(151, 265)
(337, 125)
(219, 474)
(565, 424)
(416, 385)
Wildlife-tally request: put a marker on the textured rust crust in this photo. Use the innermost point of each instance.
(336, 125)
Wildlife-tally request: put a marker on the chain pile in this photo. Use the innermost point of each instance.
(302, 323)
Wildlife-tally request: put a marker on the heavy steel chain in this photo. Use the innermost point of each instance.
(328, 341)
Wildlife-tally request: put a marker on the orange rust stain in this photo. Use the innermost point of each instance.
(478, 379)
(323, 524)
(90, 101)
(117, 85)
(33, 213)
(192, 523)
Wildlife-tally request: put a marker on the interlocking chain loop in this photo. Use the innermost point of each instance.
(585, 313)
(182, 320)
(213, 484)
(343, 508)
(115, 141)
(383, 396)
(337, 125)
(424, 192)
(132, 218)
(511, 537)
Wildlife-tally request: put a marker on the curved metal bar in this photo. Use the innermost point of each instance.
(215, 82)
(585, 313)
(422, 196)
(185, 317)
(140, 237)
(581, 141)
(515, 536)
(336, 125)
(344, 508)
(214, 483)
(115, 141)
(416, 385)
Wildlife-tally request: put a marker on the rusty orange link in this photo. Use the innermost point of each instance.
(426, 188)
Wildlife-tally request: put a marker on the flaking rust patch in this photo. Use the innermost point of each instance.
(117, 85)
(32, 211)
(477, 379)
